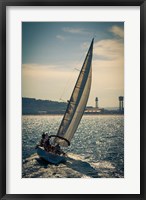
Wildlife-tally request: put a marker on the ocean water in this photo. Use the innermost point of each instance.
(99, 139)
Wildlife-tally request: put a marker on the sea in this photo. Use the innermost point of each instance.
(97, 147)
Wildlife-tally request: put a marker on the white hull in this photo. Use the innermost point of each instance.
(50, 157)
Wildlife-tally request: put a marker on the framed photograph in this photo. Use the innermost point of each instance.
(72, 120)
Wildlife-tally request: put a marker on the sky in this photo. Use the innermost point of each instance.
(53, 54)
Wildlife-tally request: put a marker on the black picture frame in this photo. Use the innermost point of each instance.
(3, 125)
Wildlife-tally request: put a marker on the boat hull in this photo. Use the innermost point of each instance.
(50, 157)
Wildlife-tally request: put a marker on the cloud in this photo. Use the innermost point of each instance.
(118, 31)
(36, 67)
(47, 81)
(74, 30)
(107, 81)
(108, 72)
(52, 80)
(109, 49)
(60, 37)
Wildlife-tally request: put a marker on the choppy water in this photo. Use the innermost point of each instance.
(98, 139)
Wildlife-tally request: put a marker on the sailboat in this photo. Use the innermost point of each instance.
(74, 111)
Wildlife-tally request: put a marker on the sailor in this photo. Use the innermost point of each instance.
(47, 145)
(46, 136)
(57, 149)
(43, 136)
(41, 143)
(42, 140)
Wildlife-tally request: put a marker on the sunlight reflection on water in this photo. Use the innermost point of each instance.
(98, 137)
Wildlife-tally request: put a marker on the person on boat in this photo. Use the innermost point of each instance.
(41, 143)
(47, 145)
(42, 140)
(53, 149)
(57, 149)
(46, 136)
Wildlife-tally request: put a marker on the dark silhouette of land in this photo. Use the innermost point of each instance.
(32, 106)
(38, 106)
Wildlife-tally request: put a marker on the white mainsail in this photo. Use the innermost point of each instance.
(77, 102)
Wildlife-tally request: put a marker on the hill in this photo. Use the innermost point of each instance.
(38, 106)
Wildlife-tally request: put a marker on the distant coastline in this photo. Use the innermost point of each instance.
(38, 106)
(32, 106)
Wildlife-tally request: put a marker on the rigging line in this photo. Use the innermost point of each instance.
(94, 34)
(77, 69)
(66, 85)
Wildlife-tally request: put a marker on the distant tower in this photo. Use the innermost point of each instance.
(121, 105)
(96, 102)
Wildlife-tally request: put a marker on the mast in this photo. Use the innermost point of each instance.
(77, 102)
